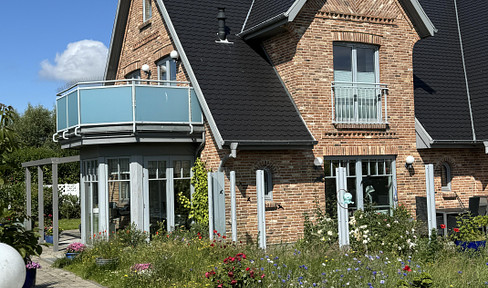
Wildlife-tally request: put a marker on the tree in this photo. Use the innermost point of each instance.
(8, 141)
(35, 127)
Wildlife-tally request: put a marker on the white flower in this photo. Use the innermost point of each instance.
(363, 226)
(365, 241)
(388, 225)
(320, 231)
(330, 233)
(366, 231)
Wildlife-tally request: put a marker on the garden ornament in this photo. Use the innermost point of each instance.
(12, 267)
(348, 198)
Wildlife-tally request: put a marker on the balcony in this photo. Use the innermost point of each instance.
(359, 103)
(127, 107)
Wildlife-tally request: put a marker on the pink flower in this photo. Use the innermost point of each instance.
(233, 282)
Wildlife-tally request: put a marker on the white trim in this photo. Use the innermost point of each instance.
(294, 9)
(193, 79)
(144, 19)
(107, 64)
(423, 17)
(423, 137)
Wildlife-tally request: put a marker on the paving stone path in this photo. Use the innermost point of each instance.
(49, 276)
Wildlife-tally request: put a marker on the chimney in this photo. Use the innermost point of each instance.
(221, 17)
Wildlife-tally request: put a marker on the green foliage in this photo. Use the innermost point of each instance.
(235, 271)
(373, 231)
(131, 236)
(13, 233)
(423, 281)
(322, 230)
(69, 207)
(8, 138)
(36, 126)
(470, 228)
(198, 206)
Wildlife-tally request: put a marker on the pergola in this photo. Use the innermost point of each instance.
(40, 175)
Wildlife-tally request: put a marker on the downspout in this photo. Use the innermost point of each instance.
(233, 154)
(201, 146)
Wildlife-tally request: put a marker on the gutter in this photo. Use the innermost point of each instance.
(269, 24)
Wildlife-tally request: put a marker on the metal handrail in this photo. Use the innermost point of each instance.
(127, 81)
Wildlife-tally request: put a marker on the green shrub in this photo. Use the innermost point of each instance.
(320, 229)
(198, 205)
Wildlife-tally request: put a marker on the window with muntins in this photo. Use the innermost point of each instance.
(147, 10)
(356, 89)
(374, 177)
(167, 70)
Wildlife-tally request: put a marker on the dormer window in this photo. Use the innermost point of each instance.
(167, 70)
(147, 10)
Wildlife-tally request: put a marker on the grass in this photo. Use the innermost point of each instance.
(69, 224)
(181, 260)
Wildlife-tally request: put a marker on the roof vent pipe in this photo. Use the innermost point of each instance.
(221, 17)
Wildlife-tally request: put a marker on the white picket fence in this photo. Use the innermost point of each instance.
(67, 189)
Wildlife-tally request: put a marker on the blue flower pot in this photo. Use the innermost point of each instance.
(30, 278)
(48, 238)
(476, 245)
(71, 256)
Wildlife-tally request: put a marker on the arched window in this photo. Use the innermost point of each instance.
(446, 176)
(167, 70)
(268, 184)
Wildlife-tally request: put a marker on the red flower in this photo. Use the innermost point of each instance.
(407, 268)
(218, 234)
(224, 236)
(251, 273)
(247, 269)
(230, 274)
(198, 233)
(443, 226)
(233, 282)
(200, 237)
(212, 245)
(215, 231)
(456, 229)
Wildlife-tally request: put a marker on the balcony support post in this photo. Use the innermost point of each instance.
(134, 107)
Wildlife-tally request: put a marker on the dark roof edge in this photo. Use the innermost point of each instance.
(272, 144)
(193, 79)
(420, 20)
(117, 39)
(273, 22)
(425, 141)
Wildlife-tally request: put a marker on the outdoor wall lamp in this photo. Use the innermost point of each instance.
(317, 163)
(409, 162)
(174, 55)
(146, 69)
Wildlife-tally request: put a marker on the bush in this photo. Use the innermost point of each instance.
(69, 207)
(320, 229)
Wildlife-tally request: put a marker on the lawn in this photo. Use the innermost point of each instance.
(69, 224)
(385, 258)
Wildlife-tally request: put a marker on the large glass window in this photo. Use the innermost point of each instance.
(119, 193)
(157, 194)
(167, 70)
(372, 176)
(357, 94)
(92, 210)
(182, 183)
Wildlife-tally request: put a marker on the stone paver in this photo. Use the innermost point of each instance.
(49, 276)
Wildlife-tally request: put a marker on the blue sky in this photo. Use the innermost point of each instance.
(43, 30)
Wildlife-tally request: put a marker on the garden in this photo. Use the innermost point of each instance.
(385, 251)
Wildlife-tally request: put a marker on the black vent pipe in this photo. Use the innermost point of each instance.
(221, 17)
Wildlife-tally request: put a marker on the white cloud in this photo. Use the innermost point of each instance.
(82, 60)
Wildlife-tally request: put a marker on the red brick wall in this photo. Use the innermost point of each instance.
(469, 172)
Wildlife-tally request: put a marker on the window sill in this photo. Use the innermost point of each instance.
(361, 126)
(145, 25)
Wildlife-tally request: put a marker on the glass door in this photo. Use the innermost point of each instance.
(92, 211)
(156, 205)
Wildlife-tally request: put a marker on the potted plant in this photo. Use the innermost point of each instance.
(74, 249)
(469, 234)
(30, 275)
(108, 252)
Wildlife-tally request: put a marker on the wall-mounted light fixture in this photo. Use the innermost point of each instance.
(409, 162)
(174, 55)
(145, 68)
(317, 163)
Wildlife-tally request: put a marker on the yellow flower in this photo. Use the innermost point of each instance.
(126, 275)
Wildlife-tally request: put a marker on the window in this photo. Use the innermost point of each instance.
(119, 193)
(182, 184)
(167, 70)
(90, 184)
(134, 75)
(372, 176)
(147, 10)
(445, 177)
(357, 93)
(268, 184)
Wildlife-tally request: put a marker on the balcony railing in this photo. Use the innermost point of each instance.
(359, 103)
(119, 102)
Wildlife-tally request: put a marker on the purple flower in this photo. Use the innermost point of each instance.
(75, 247)
(33, 265)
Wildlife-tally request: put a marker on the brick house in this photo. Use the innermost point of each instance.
(450, 105)
(271, 86)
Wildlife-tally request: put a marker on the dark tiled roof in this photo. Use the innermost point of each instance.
(441, 102)
(263, 10)
(245, 96)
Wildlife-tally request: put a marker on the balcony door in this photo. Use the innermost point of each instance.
(164, 179)
(356, 78)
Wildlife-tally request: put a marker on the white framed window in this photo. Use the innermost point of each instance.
(147, 10)
(268, 184)
(446, 177)
(356, 89)
(136, 75)
(374, 176)
(167, 70)
(119, 181)
(90, 186)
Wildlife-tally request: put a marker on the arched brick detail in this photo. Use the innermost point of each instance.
(357, 37)
(264, 164)
(131, 67)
